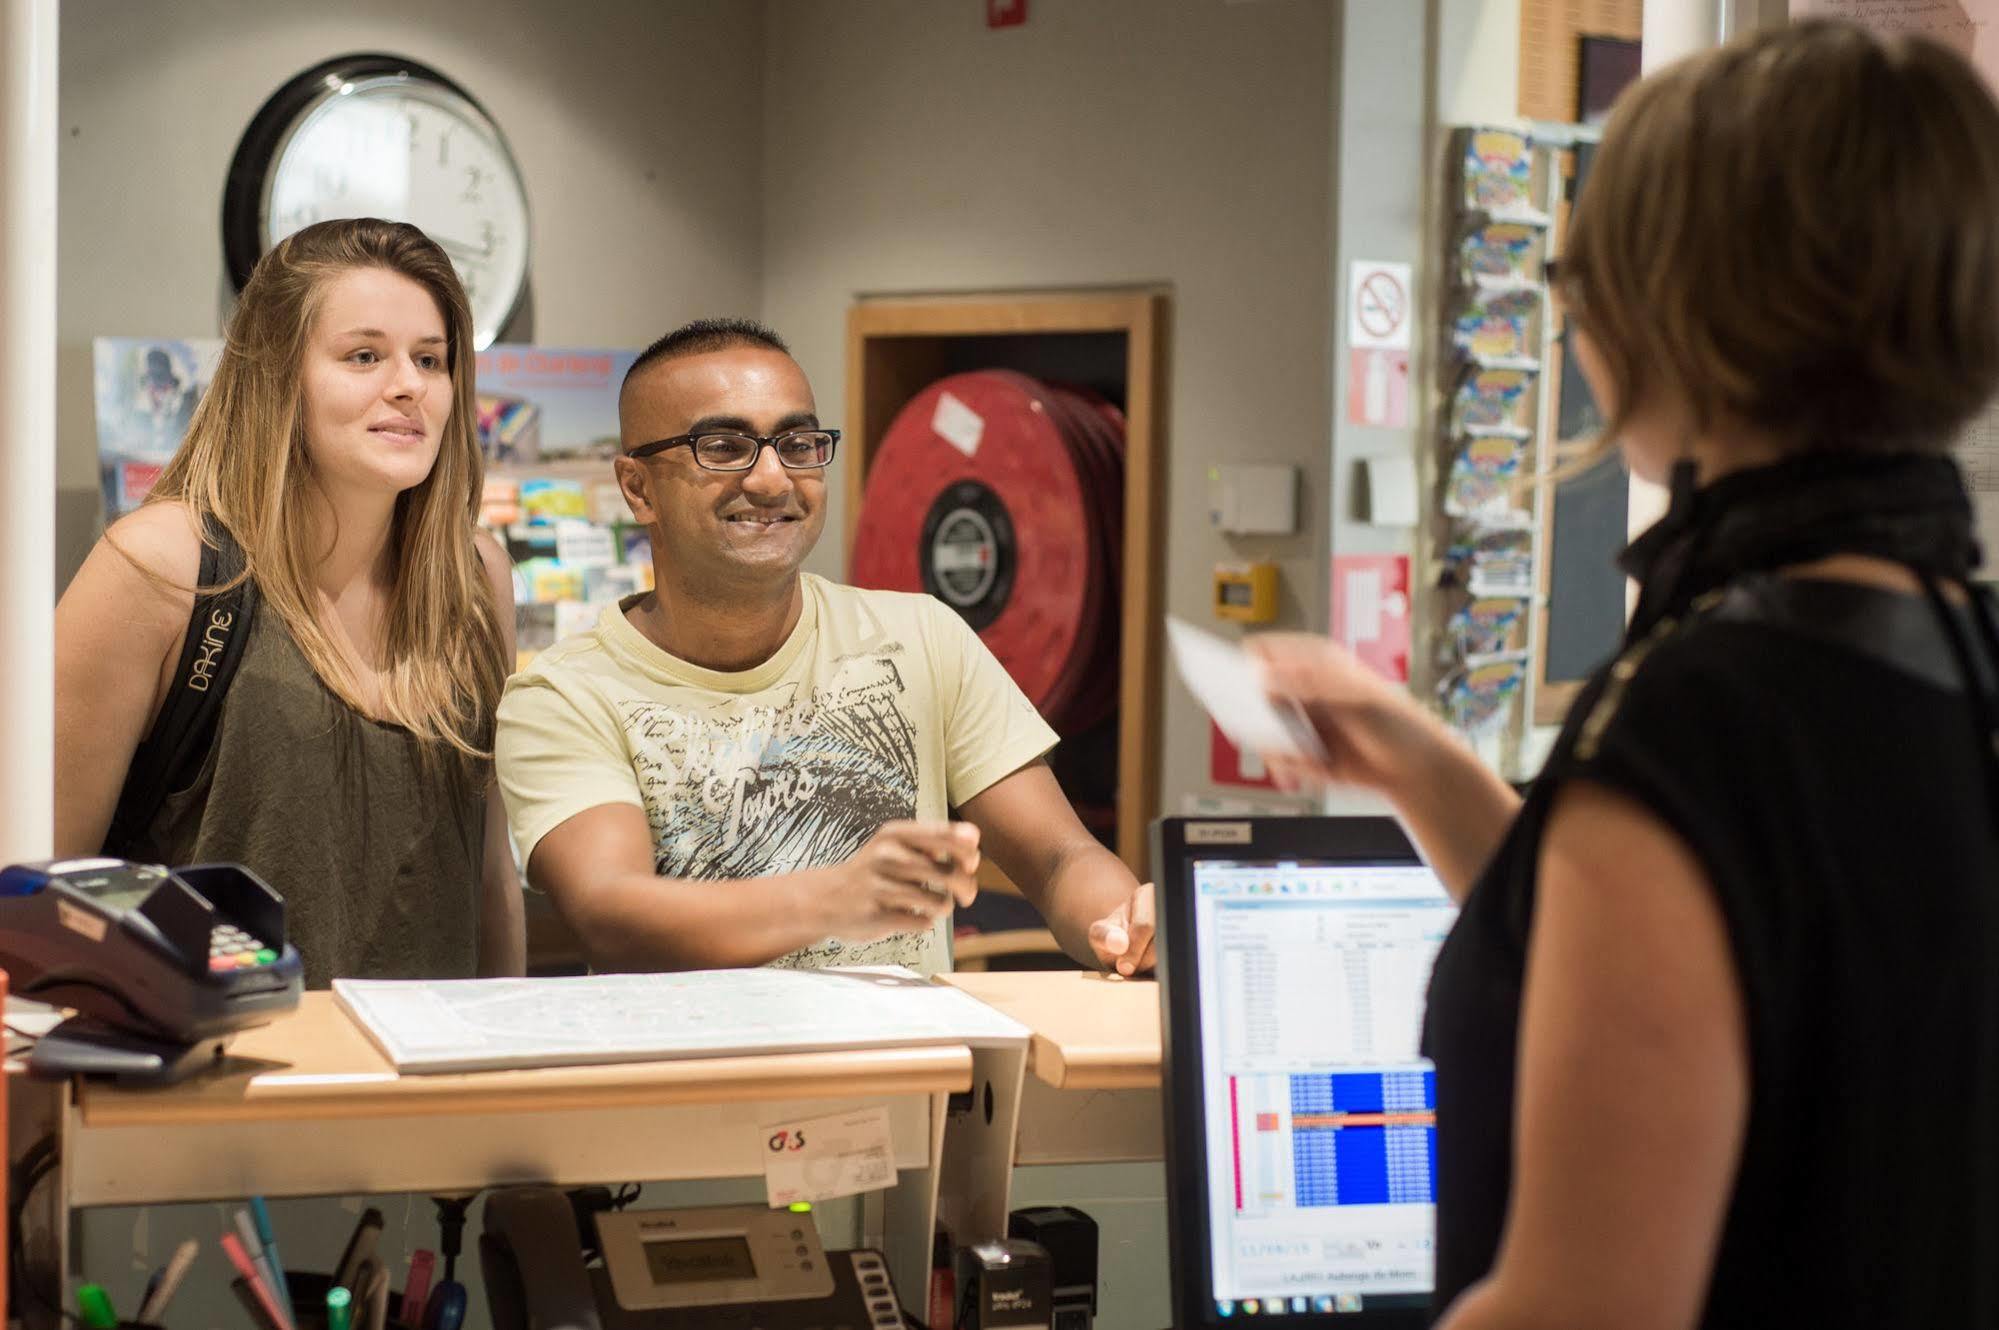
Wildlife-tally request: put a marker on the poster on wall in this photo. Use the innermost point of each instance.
(145, 391)
(1229, 765)
(1970, 27)
(546, 402)
(1371, 604)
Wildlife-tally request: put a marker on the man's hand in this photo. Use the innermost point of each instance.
(1123, 938)
(599, 868)
(903, 879)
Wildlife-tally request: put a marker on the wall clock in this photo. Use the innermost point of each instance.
(376, 135)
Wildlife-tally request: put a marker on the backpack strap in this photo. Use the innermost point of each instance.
(218, 631)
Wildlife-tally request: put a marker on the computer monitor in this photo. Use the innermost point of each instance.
(1300, 1120)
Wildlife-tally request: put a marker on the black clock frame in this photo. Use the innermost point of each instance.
(243, 191)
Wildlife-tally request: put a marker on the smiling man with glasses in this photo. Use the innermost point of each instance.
(753, 765)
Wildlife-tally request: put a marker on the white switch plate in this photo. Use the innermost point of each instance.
(1254, 499)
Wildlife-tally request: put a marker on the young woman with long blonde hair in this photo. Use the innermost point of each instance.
(335, 458)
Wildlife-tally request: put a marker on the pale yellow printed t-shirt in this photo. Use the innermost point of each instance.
(880, 705)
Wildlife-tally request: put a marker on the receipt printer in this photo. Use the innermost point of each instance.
(1070, 1238)
(725, 1268)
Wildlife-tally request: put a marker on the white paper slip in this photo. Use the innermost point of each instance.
(1228, 681)
(841, 1154)
(478, 1024)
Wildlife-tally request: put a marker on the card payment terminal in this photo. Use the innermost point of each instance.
(726, 1268)
(160, 965)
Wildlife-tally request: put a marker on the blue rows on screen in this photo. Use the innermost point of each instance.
(1337, 1163)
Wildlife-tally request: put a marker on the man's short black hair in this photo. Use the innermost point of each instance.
(702, 336)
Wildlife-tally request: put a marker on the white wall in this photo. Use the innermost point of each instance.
(1478, 62)
(909, 149)
(638, 126)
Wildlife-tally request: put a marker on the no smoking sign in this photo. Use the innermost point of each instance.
(1378, 300)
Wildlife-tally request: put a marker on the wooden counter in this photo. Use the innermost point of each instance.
(1092, 1093)
(307, 1106)
(316, 1063)
(1090, 1031)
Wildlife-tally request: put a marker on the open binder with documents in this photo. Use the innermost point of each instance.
(484, 1024)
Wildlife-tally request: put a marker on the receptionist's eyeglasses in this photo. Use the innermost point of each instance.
(797, 450)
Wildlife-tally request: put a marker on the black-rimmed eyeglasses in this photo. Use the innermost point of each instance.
(797, 449)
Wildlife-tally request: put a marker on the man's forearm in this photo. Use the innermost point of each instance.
(1086, 883)
(641, 922)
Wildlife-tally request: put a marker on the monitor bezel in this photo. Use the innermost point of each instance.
(1332, 840)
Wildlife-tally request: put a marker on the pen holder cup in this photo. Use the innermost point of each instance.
(307, 1289)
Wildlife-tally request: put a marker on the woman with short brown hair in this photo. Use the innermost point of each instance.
(1717, 1032)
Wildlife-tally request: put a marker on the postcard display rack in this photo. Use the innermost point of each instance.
(573, 543)
(1495, 426)
(548, 426)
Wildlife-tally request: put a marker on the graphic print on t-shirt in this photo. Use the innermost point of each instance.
(738, 788)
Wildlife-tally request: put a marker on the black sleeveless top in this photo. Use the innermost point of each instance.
(1815, 746)
(376, 846)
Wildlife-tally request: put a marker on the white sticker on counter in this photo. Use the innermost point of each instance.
(818, 1159)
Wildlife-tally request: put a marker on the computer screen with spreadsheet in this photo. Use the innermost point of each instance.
(1320, 1116)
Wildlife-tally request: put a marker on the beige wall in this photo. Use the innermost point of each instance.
(709, 156)
(1478, 62)
(638, 130)
(909, 149)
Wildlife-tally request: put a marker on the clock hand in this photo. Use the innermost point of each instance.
(459, 248)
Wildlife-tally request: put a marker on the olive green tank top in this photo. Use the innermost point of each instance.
(376, 852)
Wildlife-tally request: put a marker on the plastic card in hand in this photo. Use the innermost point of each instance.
(479, 1024)
(1228, 682)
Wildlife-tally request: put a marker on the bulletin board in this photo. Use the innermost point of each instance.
(1967, 26)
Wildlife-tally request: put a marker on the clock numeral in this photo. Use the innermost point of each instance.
(444, 148)
(474, 177)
